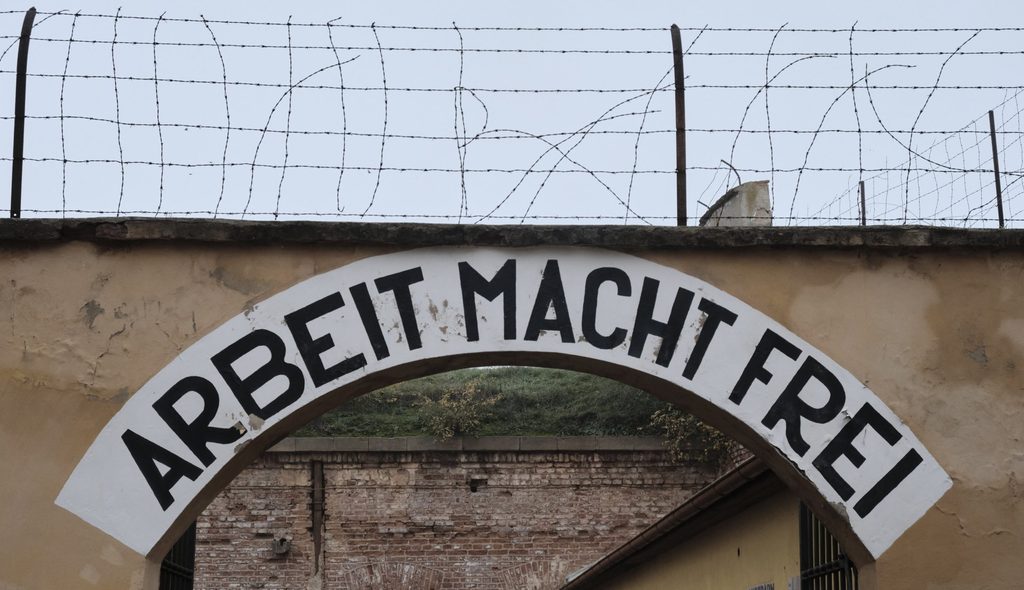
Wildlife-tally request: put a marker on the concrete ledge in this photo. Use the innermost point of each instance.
(387, 444)
(128, 229)
(491, 443)
(305, 445)
(576, 443)
(538, 443)
(426, 443)
(461, 444)
(631, 443)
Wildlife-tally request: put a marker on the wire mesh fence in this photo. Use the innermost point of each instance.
(167, 116)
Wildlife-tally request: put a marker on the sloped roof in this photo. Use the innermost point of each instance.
(748, 483)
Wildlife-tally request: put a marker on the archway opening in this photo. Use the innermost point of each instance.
(506, 401)
(428, 479)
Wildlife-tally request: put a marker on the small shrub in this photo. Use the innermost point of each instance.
(689, 439)
(458, 411)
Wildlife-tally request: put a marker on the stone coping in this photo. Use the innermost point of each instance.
(297, 444)
(128, 229)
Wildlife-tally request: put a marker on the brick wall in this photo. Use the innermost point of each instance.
(491, 513)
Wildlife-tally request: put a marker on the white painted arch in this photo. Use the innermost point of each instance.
(185, 433)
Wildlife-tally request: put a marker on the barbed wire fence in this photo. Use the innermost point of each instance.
(132, 115)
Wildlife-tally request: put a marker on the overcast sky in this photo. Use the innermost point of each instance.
(242, 171)
(870, 13)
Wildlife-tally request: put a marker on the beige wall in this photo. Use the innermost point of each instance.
(87, 325)
(758, 545)
(937, 333)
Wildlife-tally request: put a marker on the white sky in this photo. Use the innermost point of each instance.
(870, 13)
(438, 196)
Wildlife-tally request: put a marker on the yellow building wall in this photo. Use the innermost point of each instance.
(937, 331)
(759, 545)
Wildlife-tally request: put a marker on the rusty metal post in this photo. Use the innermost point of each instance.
(863, 207)
(317, 505)
(20, 84)
(995, 167)
(680, 86)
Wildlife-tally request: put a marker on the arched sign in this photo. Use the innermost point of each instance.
(175, 434)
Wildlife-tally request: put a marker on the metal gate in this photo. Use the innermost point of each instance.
(823, 564)
(178, 567)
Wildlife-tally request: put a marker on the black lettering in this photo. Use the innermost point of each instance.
(645, 325)
(310, 349)
(398, 284)
(371, 323)
(715, 315)
(888, 483)
(755, 366)
(842, 445)
(197, 433)
(550, 295)
(790, 408)
(275, 367)
(503, 283)
(146, 454)
(593, 286)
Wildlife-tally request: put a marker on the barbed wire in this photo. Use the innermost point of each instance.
(545, 171)
(142, 114)
(512, 50)
(524, 135)
(446, 217)
(548, 29)
(413, 89)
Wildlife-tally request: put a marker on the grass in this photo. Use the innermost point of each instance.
(531, 402)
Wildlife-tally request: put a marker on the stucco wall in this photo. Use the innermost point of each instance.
(756, 547)
(932, 321)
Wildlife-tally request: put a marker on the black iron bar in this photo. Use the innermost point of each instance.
(18, 151)
(995, 168)
(318, 512)
(680, 93)
(863, 207)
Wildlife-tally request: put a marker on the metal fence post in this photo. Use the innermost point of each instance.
(680, 92)
(995, 167)
(863, 206)
(18, 151)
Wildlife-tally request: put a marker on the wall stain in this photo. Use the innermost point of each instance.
(91, 310)
(978, 355)
(14, 299)
(237, 281)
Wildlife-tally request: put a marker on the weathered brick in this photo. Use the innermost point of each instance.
(402, 518)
